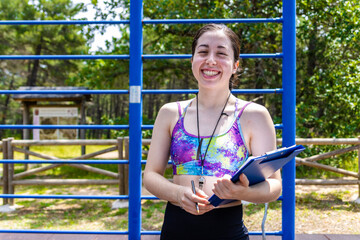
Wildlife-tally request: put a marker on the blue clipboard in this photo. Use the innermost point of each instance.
(260, 168)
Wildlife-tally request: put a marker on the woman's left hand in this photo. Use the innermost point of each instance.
(224, 188)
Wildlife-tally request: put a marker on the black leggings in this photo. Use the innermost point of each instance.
(218, 224)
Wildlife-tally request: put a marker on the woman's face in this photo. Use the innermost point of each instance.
(213, 61)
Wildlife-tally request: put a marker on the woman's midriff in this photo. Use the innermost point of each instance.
(185, 180)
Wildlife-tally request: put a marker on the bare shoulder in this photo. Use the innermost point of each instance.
(256, 118)
(169, 114)
(172, 108)
(255, 112)
(258, 129)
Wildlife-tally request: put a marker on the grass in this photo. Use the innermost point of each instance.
(316, 212)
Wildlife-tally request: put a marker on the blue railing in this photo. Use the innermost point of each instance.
(135, 91)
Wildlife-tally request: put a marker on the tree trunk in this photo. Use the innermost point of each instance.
(31, 81)
(312, 52)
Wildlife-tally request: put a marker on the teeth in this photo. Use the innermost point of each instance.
(210, 73)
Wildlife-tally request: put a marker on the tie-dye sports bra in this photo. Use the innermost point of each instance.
(226, 153)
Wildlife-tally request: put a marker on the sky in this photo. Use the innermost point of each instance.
(111, 30)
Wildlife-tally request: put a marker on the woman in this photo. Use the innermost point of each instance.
(208, 138)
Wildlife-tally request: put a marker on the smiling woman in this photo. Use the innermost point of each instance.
(208, 138)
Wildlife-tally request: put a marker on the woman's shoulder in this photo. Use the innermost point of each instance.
(254, 111)
(173, 107)
(171, 110)
(251, 107)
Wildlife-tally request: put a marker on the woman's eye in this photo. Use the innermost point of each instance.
(223, 54)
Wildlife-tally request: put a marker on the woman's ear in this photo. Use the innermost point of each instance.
(236, 65)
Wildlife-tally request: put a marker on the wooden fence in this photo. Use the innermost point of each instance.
(121, 145)
(10, 179)
(312, 161)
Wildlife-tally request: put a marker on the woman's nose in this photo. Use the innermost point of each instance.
(211, 59)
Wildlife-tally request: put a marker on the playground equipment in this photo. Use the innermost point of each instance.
(135, 126)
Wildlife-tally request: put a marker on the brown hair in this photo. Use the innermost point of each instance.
(234, 39)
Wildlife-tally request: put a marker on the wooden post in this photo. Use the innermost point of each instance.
(126, 166)
(26, 132)
(5, 171)
(83, 122)
(359, 167)
(122, 180)
(11, 187)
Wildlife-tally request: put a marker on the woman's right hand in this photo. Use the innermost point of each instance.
(187, 200)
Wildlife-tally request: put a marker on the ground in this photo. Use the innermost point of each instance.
(319, 210)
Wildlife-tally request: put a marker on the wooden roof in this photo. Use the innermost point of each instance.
(50, 97)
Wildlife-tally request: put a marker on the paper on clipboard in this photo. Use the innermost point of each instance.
(259, 168)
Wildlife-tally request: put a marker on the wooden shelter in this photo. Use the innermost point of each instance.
(29, 101)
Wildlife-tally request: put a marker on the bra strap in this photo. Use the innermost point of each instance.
(236, 106)
(179, 109)
(243, 108)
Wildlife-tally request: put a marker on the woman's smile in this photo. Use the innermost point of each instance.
(210, 73)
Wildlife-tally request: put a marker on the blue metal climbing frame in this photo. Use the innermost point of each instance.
(135, 126)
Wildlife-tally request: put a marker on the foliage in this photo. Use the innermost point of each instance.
(37, 40)
(328, 69)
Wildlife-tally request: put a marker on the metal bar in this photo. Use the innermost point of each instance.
(200, 21)
(326, 141)
(122, 91)
(270, 233)
(124, 56)
(63, 182)
(135, 118)
(146, 21)
(64, 126)
(63, 22)
(65, 161)
(188, 56)
(194, 91)
(61, 57)
(64, 232)
(288, 115)
(13, 196)
(144, 91)
(65, 142)
(149, 127)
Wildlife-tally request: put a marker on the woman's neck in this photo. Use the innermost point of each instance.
(211, 100)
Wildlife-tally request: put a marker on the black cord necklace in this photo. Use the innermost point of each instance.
(198, 156)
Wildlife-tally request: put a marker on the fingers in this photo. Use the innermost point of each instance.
(244, 180)
(224, 188)
(187, 201)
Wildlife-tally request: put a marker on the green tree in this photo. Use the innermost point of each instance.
(37, 40)
(328, 68)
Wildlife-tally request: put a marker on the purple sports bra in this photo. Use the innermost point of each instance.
(226, 153)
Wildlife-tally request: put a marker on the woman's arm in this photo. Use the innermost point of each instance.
(158, 156)
(157, 160)
(258, 125)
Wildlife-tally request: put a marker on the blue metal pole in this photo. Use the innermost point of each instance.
(135, 119)
(288, 115)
